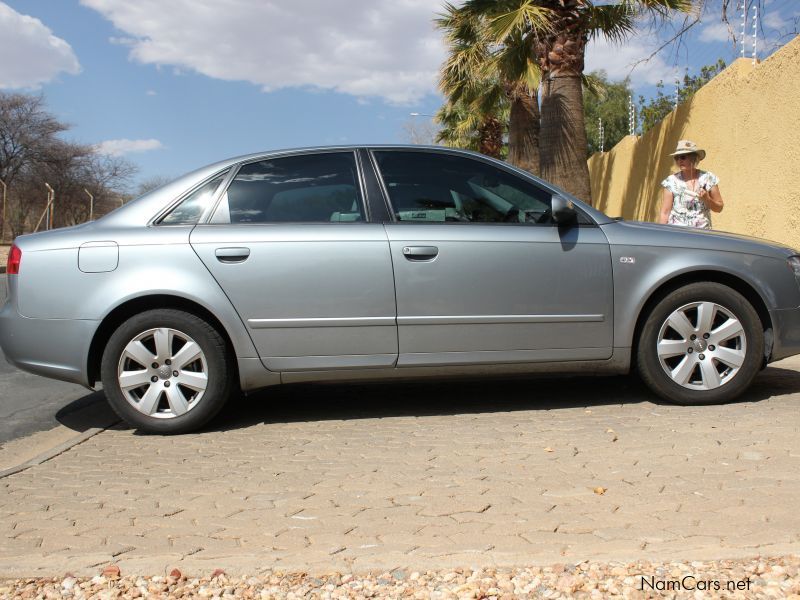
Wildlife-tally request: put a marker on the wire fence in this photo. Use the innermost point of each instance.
(755, 38)
(28, 211)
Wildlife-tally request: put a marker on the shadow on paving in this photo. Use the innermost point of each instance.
(87, 412)
(304, 402)
(341, 401)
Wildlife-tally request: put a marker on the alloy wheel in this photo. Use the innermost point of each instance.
(163, 373)
(701, 345)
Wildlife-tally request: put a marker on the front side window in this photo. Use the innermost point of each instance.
(294, 189)
(447, 188)
(191, 208)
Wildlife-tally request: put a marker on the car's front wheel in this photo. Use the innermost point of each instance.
(701, 344)
(166, 371)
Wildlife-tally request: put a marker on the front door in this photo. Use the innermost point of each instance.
(483, 274)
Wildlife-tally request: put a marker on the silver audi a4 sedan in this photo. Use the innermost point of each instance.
(354, 263)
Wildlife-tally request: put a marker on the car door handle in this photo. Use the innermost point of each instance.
(232, 255)
(420, 252)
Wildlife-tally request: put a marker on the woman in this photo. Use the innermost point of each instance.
(690, 195)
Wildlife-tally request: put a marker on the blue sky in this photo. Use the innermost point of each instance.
(175, 85)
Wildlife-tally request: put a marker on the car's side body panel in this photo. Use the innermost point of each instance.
(502, 293)
(55, 348)
(786, 324)
(313, 296)
(647, 257)
(85, 299)
(618, 363)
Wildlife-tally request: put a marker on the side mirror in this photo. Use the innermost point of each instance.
(563, 210)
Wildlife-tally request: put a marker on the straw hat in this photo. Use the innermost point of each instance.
(689, 147)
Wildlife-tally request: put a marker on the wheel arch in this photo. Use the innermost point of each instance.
(721, 277)
(135, 306)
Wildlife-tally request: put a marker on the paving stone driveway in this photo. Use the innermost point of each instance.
(422, 476)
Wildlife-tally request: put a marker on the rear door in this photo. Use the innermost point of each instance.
(483, 274)
(291, 246)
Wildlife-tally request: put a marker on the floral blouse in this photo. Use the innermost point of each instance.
(687, 209)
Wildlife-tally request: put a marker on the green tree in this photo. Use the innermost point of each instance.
(461, 126)
(490, 85)
(560, 30)
(32, 153)
(653, 111)
(152, 183)
(609, 102)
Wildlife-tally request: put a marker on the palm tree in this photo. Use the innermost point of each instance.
(521, 77)
(560, 30)
(462, 126)
(486, 81)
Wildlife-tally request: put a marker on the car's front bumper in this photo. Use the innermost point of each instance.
(786, 327)
(56, 348)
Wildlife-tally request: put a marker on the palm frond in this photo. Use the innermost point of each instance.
(614, 22)
(458, 126)
(514, 61)
(527, 17)
(491, 100)
(488, 8)
(594, 85)
(662, 8)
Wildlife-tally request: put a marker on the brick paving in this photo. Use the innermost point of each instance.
(422, 476)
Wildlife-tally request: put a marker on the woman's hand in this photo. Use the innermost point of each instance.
(712, 198)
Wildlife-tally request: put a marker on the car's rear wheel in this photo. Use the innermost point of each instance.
(166, 371)
(701, 344)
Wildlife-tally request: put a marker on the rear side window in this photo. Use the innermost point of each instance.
(189, 211)
(442, 188)
(295, 189)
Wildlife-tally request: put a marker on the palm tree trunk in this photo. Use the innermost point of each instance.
(523, 131)
(563, 136)
(490, 134)
(561, 57)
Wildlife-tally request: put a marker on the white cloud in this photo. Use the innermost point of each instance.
(628, 60)
(363, 48)
(717, 32)
(120, 147)
(31, 54)
(151, 93)
(775, 20)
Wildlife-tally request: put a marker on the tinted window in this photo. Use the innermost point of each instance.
(308, 188)
(444, 188)
(189, 211)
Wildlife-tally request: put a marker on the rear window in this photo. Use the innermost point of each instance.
(312, 188)
(191, 208)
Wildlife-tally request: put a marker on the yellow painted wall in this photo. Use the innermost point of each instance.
(748, 120)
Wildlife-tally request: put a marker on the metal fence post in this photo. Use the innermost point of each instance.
(51, 195)
(91, 204)
(3, 226)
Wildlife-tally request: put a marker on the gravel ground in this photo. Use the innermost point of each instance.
(776, 577)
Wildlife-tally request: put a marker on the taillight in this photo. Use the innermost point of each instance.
(14, 259)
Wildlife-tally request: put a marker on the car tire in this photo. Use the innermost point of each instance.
(167, 371)
(701, 344)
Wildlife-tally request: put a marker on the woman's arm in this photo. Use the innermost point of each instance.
(666, 207)
(713, 199)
